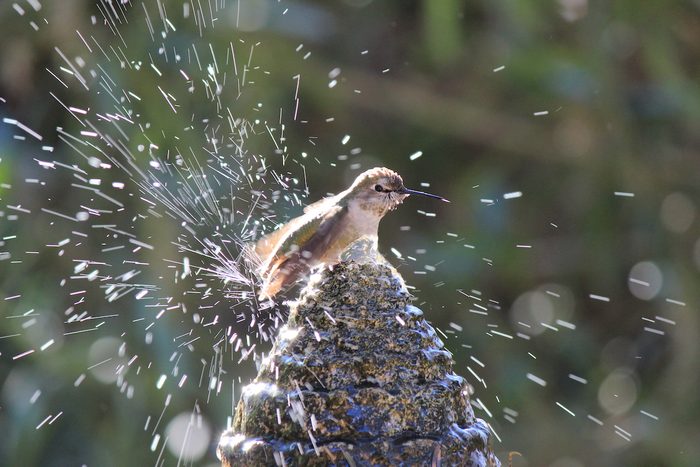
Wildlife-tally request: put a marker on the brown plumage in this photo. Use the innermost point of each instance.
(327, 228)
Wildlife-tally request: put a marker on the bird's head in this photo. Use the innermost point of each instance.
(380, 190)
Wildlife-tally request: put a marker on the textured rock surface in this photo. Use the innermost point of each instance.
(356, 377)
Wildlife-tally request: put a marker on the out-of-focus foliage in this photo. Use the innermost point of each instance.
(567, 101)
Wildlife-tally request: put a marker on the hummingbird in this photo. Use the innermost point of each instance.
(328, 227)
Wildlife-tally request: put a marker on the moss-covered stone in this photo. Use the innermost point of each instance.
(356, 377)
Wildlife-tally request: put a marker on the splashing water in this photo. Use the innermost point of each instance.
(182, 197)
(144, 219)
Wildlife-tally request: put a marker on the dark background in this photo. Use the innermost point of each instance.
(466, 83)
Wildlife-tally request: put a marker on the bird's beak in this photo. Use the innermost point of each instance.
(407, 191)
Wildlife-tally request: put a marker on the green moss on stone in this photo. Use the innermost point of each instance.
(357, 377)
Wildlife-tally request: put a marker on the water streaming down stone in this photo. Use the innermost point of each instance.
(356, 377)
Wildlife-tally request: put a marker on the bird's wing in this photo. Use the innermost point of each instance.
(311, 233)
(312, 212)
(310, 240)
(269, 242)
(314, 236)
(320, 204)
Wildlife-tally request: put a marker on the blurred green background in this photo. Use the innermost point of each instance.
(577, 105)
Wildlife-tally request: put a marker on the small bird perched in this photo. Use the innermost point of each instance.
(328, 227)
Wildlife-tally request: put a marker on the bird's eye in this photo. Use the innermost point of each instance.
(378, 188)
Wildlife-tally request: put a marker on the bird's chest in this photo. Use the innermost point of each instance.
(363, 219)
(357, 224)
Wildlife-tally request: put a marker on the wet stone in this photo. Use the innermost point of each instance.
(356, 377)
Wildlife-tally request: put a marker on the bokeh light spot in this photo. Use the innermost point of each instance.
(677, 212)
(104, 359)
(532, 308)
(188, 436)
(645, 280)
(618, 391)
